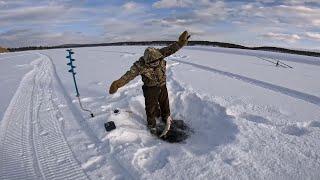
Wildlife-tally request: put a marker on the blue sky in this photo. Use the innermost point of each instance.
(285, 23)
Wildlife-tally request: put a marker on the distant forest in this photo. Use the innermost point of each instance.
(163, 43)
(2, 50)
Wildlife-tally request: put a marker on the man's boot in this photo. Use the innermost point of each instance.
(152, 125)
(153, 130)
(164, 119)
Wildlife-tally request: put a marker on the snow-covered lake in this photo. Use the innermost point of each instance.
(251, 119)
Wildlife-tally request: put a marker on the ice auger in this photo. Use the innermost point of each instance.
(69, 56)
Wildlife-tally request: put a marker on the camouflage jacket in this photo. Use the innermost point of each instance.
(151, 76)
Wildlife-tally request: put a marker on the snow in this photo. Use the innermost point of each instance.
(251, 119)
(13, 67)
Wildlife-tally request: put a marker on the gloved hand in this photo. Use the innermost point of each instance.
(114, 87)
(183, 39)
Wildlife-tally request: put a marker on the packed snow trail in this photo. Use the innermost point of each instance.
(290, 92)
(104, 150)
(266, 54)
(33, 145)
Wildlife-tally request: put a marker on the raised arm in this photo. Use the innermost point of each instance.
(134, 71)
(174, 47)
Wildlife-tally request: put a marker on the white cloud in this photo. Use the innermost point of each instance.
(172, 3)
(296, 16)
(315, 22)
(203, 14)
(298, 9)
(212, 20)
(213, 11)
(31, 37)
(131, 7)
(31, 14)
(283, 37)
(207, 12)
(313, 35)
(297, 2)
(290, 2)
(126, 30)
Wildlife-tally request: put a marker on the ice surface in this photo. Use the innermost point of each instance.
(251, 119)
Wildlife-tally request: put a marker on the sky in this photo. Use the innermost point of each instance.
(282, 23)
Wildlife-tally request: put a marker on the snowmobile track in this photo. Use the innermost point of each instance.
(283, 90)
(280, 56)
(33, 145)
(104, 148)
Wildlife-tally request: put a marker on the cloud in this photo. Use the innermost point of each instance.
(213, 11)
(251, 21)
(290, 2)
(31, 13)
(202, 13)
(31, 37)
(299, 15)
(128, 30)
(299, 2)
(7, 4)
(133, 7)
(315, 22)
(46, 13)
(283, 37)
(206, 13)
(172, 3)
(313, 35)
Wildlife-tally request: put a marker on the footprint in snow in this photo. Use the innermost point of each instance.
(98, 83)
(127, 55)
(294, 130)
(254, 118)
(151, 159)
(90, 146)
(62, 105)
(232, 161)
(87, 99)
(23, 66)
(314, 124)
(44, 133)
(93, 163)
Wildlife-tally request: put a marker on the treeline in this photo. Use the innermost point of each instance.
(284, 50)
(163, 43)
(2, 49)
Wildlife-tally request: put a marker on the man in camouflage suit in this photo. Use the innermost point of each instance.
(152, 68)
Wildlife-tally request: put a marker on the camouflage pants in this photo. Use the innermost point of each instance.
(157, 103)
